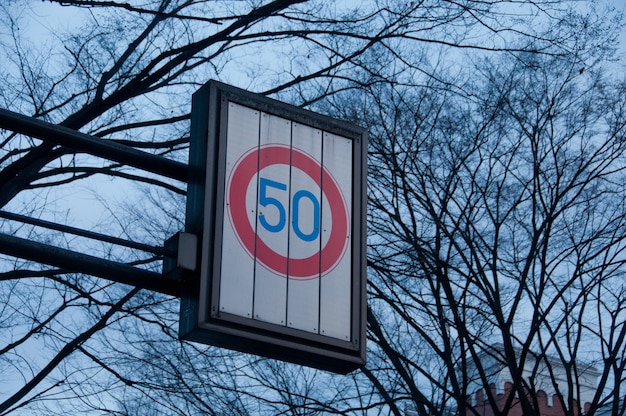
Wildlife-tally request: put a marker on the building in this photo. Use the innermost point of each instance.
(547, 374)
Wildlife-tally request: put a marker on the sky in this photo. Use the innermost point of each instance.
(50, 18)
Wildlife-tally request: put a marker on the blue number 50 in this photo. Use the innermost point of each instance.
(265, 200)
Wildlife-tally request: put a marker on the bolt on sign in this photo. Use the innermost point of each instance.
(277, 194)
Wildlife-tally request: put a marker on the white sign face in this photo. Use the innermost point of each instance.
(286, 234)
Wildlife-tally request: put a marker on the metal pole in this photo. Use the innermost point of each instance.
(82, 263)
(94, 145)
(160, 251)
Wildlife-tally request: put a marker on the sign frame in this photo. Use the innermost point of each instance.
(200, 318)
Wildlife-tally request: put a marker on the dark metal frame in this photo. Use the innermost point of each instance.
(200, 319)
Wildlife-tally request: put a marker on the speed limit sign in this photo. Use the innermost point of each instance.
(303, 207)
(283, 231)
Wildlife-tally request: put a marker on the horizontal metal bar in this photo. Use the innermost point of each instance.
(93, 145)
(83, 263)
(84, 233)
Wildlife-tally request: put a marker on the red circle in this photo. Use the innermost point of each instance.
(252, 162)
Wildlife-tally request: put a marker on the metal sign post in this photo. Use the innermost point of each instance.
(278, 198)
(74, 261)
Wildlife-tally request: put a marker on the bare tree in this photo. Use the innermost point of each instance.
(486, 212)
(497, 237)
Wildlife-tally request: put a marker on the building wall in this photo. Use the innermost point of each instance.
(480, 404)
